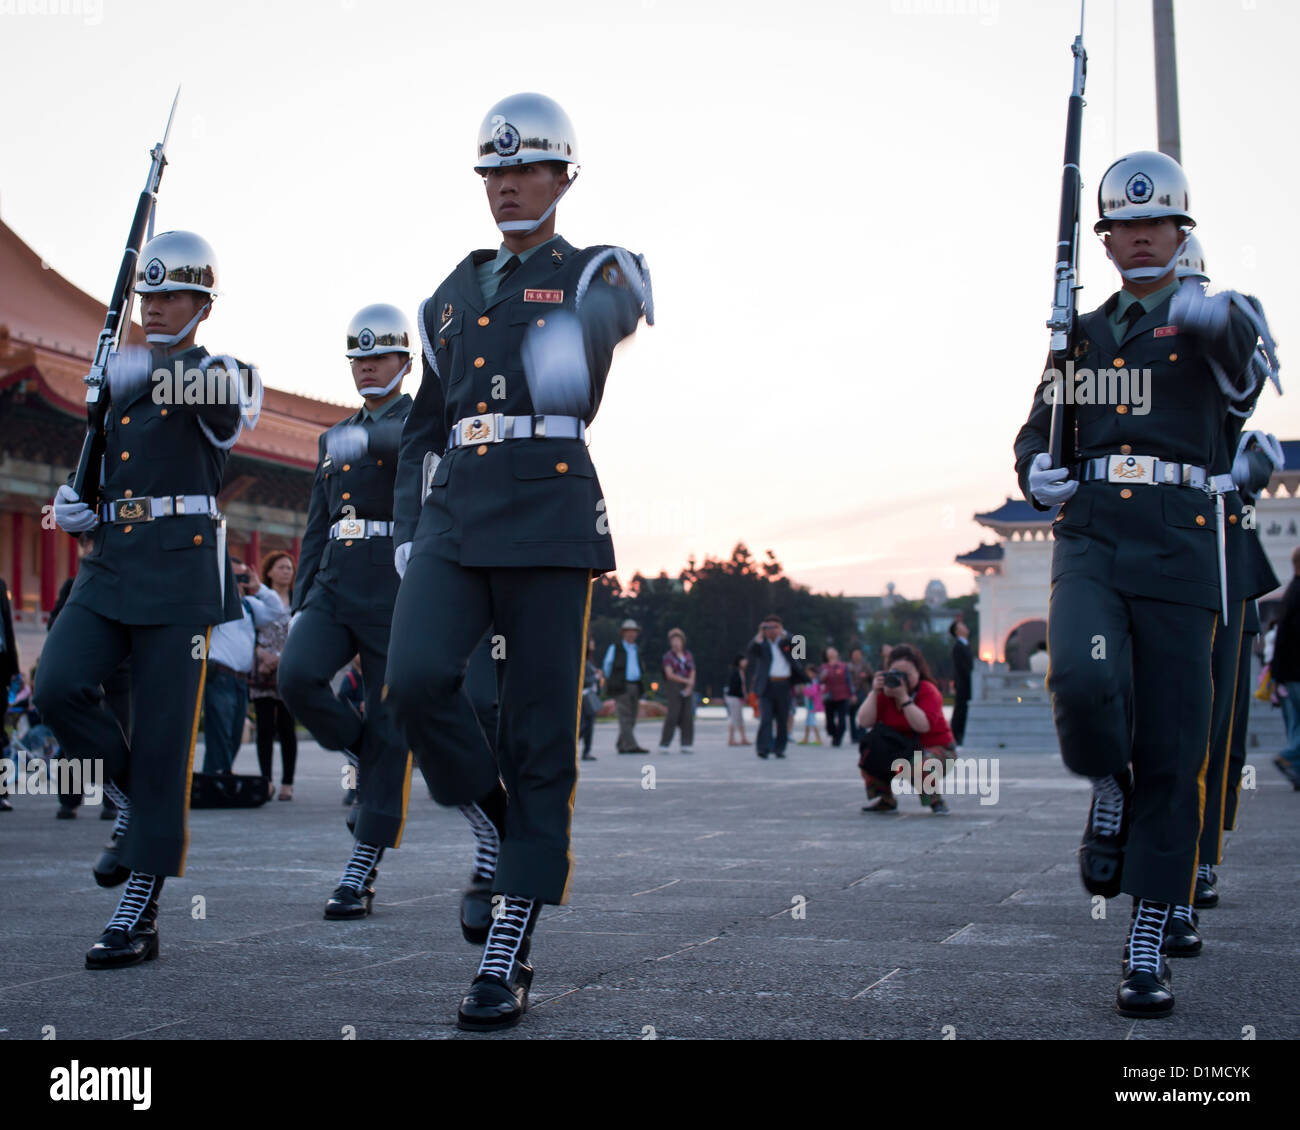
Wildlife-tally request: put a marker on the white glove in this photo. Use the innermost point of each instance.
(1049, 484)
(347, 444)
(400, 557)
(72, 515)
(1241, 468)
(555, 364)
(1206, 317)
(128, 372)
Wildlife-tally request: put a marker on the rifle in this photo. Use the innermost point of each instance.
(86, 480)
(1062, 321)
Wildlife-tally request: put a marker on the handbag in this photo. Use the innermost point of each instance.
(880, 747)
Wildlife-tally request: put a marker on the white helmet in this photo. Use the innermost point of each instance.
(1191, 263)
(176, 260)
(523, 129)
(526, 129)
(377, 329)
(1143, 186)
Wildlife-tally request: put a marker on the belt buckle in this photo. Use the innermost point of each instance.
(132, 510)
(478, 429)
(1131, 469)
(352, 528)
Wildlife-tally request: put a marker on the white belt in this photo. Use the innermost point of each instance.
(494, 427)
(361, 528)
(1147, 470)
(147, 509)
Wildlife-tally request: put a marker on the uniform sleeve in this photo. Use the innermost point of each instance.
(265, 606)
(384, 438)
(610, 312)
(1034, 438)
(313, 541)
(425, 430)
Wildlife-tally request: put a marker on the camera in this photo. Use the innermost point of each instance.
(244, 578)
(895, 678)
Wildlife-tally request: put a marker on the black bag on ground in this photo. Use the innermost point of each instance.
(880, 747)
(227, 790)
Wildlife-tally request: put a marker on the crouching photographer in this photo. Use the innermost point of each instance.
(903, 713)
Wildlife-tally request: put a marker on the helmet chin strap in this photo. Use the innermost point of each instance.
(177, 338)
(527, 227)
(373, 392)
(1149, 274)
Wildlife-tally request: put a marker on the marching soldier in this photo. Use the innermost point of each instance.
(344, 594)
(154, 583)
(1136, 582)
(517, 346)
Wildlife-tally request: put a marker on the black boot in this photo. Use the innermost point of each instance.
(1181, 937)
(487, 819)
(355, 894)
(1207, 894)
(1101, 856)
(108, 871)
(131, 936)
(499, 995)
(1144, 993)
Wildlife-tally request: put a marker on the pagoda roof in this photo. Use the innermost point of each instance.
(1015, 513)
(985, 554)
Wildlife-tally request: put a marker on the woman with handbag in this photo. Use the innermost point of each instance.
(904, 712)
(592, 681)
(273, 717)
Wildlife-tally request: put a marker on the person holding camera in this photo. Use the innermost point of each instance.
(776, 670)
(230, 664)
(904, 712)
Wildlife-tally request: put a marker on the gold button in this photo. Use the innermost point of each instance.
(164, 411)
(379, 462)
(1118, 362)
(127, 529)
(125, 456)
(348, 542)
(481, 450)
(541, 321)
(346, 495)
(1126, 493)
(561, 467)
(1125, 449)
(1232, 519)
(483, 321)
(383, 693)
(482, 406)
(126, 419)
(1173, 357)
(1121, 408)
(442, 341)
(347, 466)
(198, 539)
(479, 362)
(127, 494)
(1200, 519)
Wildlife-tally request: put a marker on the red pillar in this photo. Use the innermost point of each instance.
(49, 590)
(16, 573)
(73, 558)
(296, 550)
(255, 550)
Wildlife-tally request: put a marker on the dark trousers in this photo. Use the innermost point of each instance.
(274, 721)
(153, 765)
(117, 694)
(856, 732)
(1223, 721)
(837, 719)
(540, 615)
(317, 647)
(587, 725)
(225, 710)
(774, 706)
(627, 704)
(958, 726)
(1240, 728)
(1158, 655)
(681, 712)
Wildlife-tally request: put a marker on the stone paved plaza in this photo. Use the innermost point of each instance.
(737, 898)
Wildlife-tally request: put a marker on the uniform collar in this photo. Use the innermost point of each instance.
(365, 414)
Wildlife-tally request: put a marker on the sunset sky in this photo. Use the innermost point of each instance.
(849, 210)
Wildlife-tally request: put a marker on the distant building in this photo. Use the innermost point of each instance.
(936, 594)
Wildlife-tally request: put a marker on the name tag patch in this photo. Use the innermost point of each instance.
(543, 296)
(1166, 331)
